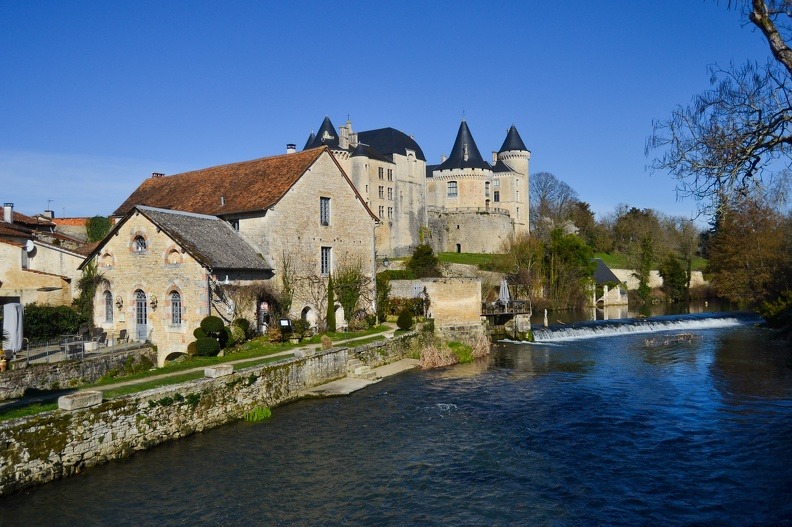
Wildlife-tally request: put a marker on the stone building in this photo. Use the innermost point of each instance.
(388, 168)
(36, 263)
(299, 212)
(472, 205)
(162, 271)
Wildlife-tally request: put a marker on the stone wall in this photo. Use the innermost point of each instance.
(655, 280)
(454, 301)
(52, 445)
(66, 374)
(473, 232)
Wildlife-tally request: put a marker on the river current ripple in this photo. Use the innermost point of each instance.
(607, 431)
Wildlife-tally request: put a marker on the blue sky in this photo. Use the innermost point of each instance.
(95, 96)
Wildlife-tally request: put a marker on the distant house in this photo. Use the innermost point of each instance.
(36, 264)
(298, 213)
(614, 292)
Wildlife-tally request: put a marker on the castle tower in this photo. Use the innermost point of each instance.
(514, 153)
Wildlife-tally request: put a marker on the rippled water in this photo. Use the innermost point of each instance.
(605, 431)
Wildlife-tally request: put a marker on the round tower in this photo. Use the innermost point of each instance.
(514, 153)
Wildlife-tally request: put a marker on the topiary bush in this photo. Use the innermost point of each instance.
(243, 324)
(191, 348)
(405, 320)
(207, 347)
(212, 324)
(199, 333)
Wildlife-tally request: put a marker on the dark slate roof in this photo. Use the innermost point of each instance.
(367, 151)
(464, 141)
(389, 141)
(513, 141)
(210, 240)
(500, 166)
(603, 274)
(430, 169)
(326, 136)
(310, 140)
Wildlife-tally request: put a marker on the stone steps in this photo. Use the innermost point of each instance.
(356, 368)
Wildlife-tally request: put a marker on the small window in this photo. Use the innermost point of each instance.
(486, 189)
(324, 211)
(108, 302)
(496, 183)
(381, 173)
(496, 196)
(107, 260)
(390, 213)
(176, 308)
(452, 189)
(174, 257)
(326, 260)
(382, 192)
(390, 174)
(234, 224)
(140, 244)
(381, 211)
(390, 194)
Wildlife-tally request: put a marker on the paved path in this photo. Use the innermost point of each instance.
(53, 396)
(348, 385)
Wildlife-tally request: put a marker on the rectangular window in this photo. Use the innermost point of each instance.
(381, 173)
(326, 260)
(390, 213)
(496, 183)
(452, 189)
(390, 174)
(382, 192)
(25, 260)
(496, 195)
(486, 189)
(390, 193)
(108, 297)
(381, 211)
(324, 211)
(176, 309)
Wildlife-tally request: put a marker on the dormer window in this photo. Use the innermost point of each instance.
(324, 211)
(140, 244)
(234, 224)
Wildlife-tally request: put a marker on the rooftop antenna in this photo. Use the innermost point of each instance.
(49, 204)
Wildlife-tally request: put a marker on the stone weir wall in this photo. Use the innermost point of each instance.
(51, 445)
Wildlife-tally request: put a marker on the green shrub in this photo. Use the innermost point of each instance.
(398, 274)
(405, 320)
(43, 322)
(199, 333)
(212, 324)
(207, 347)
(299, 326)
(243, 324)
(191, 348)
(238, 334)
(226, 338)
(423, 262)
(413, 305)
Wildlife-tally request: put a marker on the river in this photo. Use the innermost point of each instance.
(688, 422)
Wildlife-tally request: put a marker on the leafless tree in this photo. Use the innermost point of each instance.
(551, 201)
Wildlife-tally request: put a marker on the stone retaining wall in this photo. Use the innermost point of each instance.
(51, 445)
(67, 374)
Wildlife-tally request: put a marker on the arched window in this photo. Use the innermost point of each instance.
(176, 308)
(108, 302)
(174, 257)
(140, 244)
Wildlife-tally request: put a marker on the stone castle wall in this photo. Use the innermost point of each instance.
(454, 301)
(468, 232)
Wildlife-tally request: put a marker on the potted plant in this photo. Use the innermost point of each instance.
(299, 328)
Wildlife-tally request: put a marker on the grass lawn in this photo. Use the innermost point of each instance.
(620, 261)
(477, 259)
(260, 350)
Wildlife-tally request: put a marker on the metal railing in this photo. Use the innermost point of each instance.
(478, 210)
(66, 347)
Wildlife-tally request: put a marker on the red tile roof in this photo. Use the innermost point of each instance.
(70, 222)
(30, 220)
(225, 189)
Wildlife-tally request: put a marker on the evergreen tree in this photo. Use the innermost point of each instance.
(330, 316)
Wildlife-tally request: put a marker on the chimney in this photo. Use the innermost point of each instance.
(157, 174)
(49, 214)
(8, 212)
(494, 157)
(291, 148)
(442, 158)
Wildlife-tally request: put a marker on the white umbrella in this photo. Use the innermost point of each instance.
(504, 296)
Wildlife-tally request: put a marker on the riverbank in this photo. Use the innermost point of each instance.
(52, 445)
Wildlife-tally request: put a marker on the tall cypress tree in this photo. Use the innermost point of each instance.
(330, 316)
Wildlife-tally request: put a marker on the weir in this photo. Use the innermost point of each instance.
(611, 328)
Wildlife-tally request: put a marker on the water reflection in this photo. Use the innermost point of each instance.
(569, 316)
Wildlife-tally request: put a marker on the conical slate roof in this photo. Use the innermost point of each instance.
(311, 139)
(326, 136)
(513, 141)
(465, 153)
